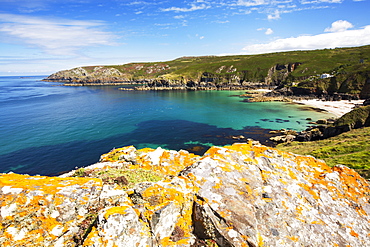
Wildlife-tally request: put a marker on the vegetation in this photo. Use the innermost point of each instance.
(348, 69)
(351, 149)
(338, 61)
(355, 118)
(123, 176)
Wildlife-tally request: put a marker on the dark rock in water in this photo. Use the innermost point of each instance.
(240, 195)
(322, 121)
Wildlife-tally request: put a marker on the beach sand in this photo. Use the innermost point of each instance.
(338, 108)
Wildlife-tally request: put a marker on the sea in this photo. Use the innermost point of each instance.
(48, 129)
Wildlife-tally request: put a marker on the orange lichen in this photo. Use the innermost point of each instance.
(318, 222)
(353, 233)
(265, 175)
(115, 210)
(310, 190)
(293, 238)
(46, 185)
(218, 185)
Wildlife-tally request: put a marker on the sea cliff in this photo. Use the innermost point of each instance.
(240, 195)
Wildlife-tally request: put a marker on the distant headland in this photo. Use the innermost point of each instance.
(342, 73)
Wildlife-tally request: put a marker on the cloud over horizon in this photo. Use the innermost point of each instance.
(56, 36)
(339, 36)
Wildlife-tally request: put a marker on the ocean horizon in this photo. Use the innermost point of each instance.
(48, 129)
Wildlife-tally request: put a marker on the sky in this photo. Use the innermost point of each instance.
(40, 37)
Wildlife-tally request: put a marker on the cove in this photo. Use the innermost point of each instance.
(47, 129)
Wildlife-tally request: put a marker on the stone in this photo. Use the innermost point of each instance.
(322, 121)
(245, 194)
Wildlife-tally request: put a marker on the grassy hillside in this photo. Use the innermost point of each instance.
(351, 149)
(255, 67)
(349, 70)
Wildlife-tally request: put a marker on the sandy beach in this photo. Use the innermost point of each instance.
(338, 108)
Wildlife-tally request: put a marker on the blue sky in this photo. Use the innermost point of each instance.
(39, 37)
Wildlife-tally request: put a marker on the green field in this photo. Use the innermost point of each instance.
(351, 149)
(255, 67)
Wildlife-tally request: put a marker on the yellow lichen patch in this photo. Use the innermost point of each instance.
(305, 162)
(36, 202)
(318, 222)
(157, 195)
(213, 151)
(114, 155)
(91, 239)
(46, 185)
(293, 238)
(174, 163)
(265, 175)
(299, 209)
(260, 241)
(310, 190)
(227, 168)
(164, 162)
(115, 210)
(284, 182)
(218, 185)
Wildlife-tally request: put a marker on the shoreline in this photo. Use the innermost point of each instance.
(337, 108)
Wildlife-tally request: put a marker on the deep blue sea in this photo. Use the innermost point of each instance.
(48, 129)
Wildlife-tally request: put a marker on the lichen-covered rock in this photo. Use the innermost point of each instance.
(258, 196)
(44, 211)
(166, 162)
(240, 195)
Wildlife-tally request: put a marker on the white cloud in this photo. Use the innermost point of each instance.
(192, 8)
(222, 22)
(320, 1)
(347, 38)
(269, 31)
(179, 17)
(56, 37)
(274, 16)
(250, 3)
(339, 26)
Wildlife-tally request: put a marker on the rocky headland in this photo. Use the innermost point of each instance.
(325, 128)
(298, 73)
(239, 195)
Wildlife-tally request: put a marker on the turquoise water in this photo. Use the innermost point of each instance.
(48, 129)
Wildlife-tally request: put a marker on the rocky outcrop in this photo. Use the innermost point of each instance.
(90, 75)
(365, 92)
(326, 128)
(279, 73)
(240, 195)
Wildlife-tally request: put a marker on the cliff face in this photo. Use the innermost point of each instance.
(279, 73)
(240, 195)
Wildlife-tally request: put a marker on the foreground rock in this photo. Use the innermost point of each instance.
(240, 195)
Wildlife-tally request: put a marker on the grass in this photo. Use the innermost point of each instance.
(255, 67)
(351, 149)
(357, 117)
(124, 177)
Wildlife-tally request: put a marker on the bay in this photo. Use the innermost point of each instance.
(47, 129)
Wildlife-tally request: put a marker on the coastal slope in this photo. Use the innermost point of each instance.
(328, 71)
(240, 195)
